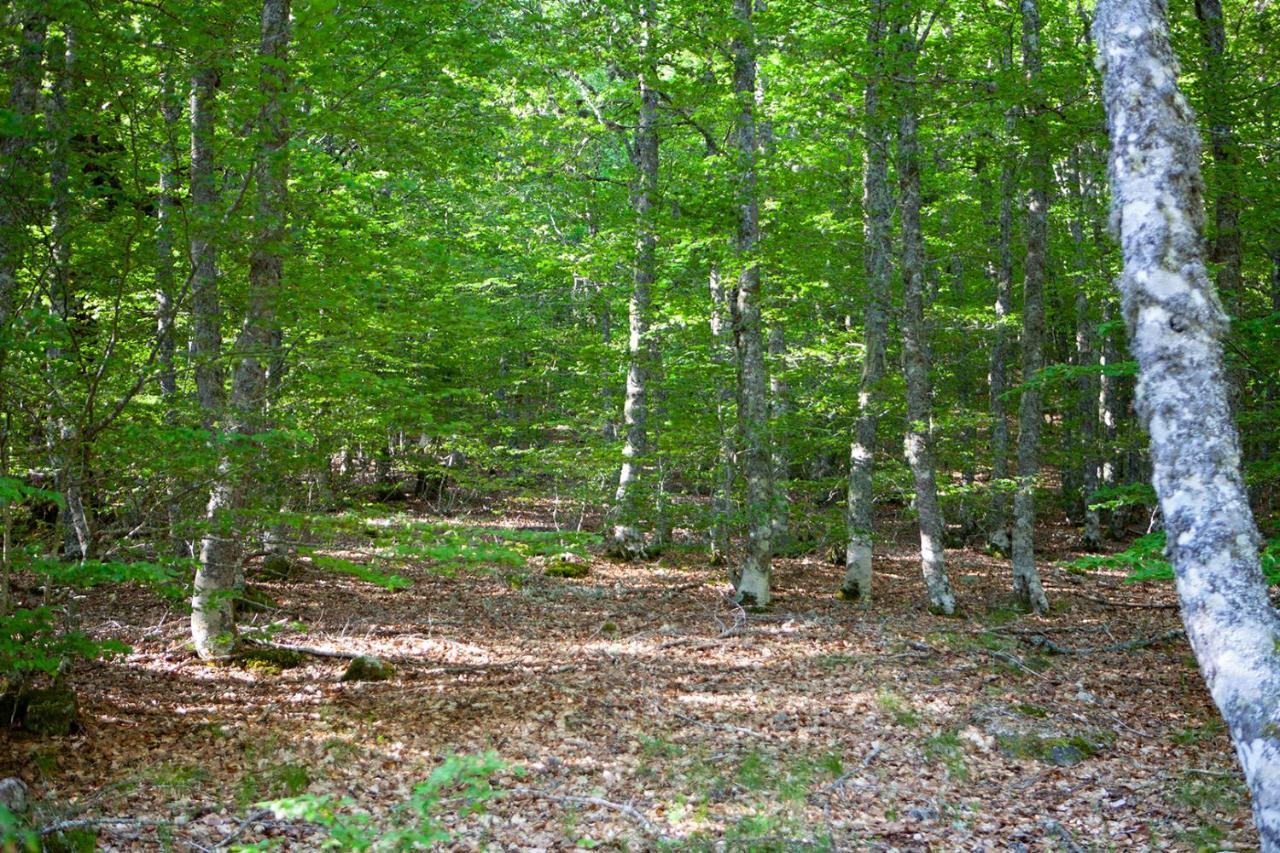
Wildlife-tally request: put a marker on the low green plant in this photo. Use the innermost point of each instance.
(416, 824)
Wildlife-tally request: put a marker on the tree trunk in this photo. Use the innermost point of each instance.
(1001, 349)
(753, 397)
(64, 435)
(1087, 400)
(723, 360)
(212, 619)
(167, 215)
(1026, 579)
(918, 441)
(1176, 326)
(624, 537)
(1227, 251)
(877, 204)
(779, 405)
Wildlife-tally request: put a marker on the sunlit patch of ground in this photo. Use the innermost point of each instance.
(814, 724)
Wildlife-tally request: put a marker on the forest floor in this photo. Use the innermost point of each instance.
(638, 708)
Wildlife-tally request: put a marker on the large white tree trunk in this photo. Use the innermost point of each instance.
(1176, 324)
(877, 204)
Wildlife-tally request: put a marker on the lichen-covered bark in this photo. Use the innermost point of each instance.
(918, 441)
(624, 538)
(1026, 579)
(212, 618)
(206, 310)
(1176, 326)
(753, 398)
(877, 203)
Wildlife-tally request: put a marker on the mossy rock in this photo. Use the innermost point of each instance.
(368, 668)
(51, 712)
(567, 565)
(1063, 751)
(278, 567)
(267, 660)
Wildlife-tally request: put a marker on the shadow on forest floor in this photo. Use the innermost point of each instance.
(642, 687)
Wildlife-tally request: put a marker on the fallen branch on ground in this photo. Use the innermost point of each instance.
(1106, 602)
(90, 822)
(570, 799)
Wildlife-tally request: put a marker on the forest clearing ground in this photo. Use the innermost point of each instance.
(813, 724)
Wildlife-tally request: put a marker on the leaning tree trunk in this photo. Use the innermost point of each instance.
(753, 389)
(918, 441)
(779, 405)
(1026, 579)
(624, 536)
(1176, 326)
(877, 203)
(1001, 349)
(212, 619)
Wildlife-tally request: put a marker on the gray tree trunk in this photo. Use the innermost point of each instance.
(64, 434)
(1227, 252)
(1176, 326)
(1087, 401)
(779, 406)
(918, 441)
(212, 617)
(624, 538)
(998, 526)
(753, 389)
(723, 359)
(877, 204)
(167, 215)
(1026, 579)
(206, 309)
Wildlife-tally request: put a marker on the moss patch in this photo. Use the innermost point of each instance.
(268, 661)
(1064, 751)
(368, 668)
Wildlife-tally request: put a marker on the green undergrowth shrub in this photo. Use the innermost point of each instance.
(1144, 560)
(462, 785)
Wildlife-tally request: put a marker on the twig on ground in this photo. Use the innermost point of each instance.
(89, 822)
(241, 827)
(570, 799)
(1057, 830)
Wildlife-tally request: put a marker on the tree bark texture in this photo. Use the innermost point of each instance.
(1026, 579)
(1176, 325)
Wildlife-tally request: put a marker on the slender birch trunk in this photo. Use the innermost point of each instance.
(624, 538)
(212, 617)
(1026, 579)
(918, 441)
(877, 204)
(753, 398)
(1176, 325)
